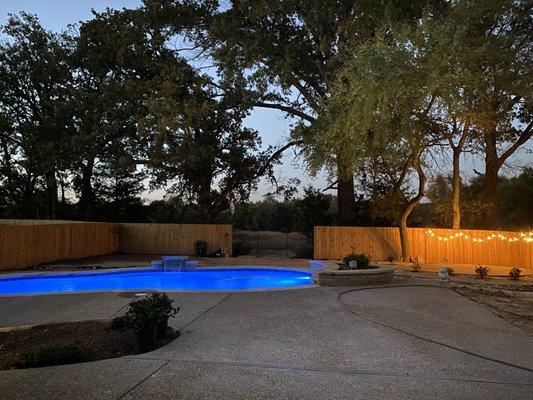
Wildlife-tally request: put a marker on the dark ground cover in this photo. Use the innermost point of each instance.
(64, 343)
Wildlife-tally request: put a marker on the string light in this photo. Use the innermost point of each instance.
(524, 236)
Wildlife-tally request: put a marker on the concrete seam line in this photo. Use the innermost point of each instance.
(205, 312)
(7, 301)
(143, 380)
(508, 364)
(347, 371)
(120, 309)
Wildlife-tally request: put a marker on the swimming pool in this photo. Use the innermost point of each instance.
(161, 280)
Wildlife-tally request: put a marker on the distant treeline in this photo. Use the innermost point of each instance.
(314, 207)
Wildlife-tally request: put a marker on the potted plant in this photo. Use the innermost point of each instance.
(162, 305)
(143, 318)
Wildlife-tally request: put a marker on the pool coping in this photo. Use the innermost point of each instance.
(145, 291)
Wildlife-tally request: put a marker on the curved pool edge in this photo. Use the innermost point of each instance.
(112, 271)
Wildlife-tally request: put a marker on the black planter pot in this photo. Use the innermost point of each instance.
(145, 339)
(161, 330)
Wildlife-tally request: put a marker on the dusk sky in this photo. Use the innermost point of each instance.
(274, 129)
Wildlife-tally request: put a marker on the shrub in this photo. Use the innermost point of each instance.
(200, 248)
(450, 270)
(146, 313)
(120, 323)
(362, 260)
(514, 273)
(163, 305)
(481, 271)
(416, 267)
(51, 355)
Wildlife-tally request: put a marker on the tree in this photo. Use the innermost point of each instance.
(485, 48)
(385, 98)
(514, 193)
(116, 57)
(516, 196)
(195, 140)
(313, 209)
(34, 83)
(284, 55)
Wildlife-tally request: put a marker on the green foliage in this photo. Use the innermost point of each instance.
(481, 271)
(515, 199)
(363, 260)
(145, 314)
(313, 210)
(515, 196)
(514, 273)
(416, 267)
(163, 304)
(200, 248)
(46, 356)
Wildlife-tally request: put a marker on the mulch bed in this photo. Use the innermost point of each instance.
(95, 340)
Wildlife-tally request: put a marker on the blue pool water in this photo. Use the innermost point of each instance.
(148, 279)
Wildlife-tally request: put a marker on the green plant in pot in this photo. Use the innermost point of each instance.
(148, 318)
(143, 318)
(163, 304)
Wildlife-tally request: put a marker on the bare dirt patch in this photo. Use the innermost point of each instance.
(93, 340)
(510, 300)
(515, 306)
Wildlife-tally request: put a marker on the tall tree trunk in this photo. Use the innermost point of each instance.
(493, 163)
(404, 241)
(85, 203)
(492, 166)
(51, 195)
(347, 212)
(456, 191)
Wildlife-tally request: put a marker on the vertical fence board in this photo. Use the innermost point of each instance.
(335, 242)
(173, 238)
(30, 243)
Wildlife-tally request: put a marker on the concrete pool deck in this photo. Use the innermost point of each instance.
(291, 344)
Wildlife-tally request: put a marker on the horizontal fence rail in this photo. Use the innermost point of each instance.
(335, 242)
(25, 245)
(174, 238)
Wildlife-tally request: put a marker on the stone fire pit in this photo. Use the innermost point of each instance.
(352, 277)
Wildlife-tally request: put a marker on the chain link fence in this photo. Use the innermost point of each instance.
(272, 244)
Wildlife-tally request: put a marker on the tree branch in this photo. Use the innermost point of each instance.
(276, 154)
(287, 109)
(310, 100)
(523, 138)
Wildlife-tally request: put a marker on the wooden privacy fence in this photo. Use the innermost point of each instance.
(335, 242)
(26, 244)
(173, 238)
